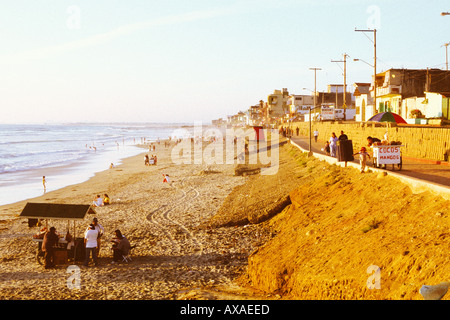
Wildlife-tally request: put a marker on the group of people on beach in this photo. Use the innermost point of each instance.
(100, 202)
(92, 244)
(150, 160)
(92, 241)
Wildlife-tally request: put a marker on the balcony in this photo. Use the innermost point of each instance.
(388, 90)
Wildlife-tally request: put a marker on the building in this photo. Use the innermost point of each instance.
(277, 103)
(255, 115)
(237, 120)
(403, 91)
(437, 105)
(363, 101)
(300, 103)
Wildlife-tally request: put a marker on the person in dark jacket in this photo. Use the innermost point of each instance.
(343, 136)
(121, 246)
(48, 246)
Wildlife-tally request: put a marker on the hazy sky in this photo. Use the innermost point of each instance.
(197, 60)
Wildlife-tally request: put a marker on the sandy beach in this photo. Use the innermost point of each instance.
(175, 252)
(310, 231)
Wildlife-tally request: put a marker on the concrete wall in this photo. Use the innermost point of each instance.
(419, 142)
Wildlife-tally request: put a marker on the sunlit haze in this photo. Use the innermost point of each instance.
(186, 61)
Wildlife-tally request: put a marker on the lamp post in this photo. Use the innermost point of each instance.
(310, 117)
(446, 54)
(363, 61)
(374, 66)
(345, 83)
(363, 111)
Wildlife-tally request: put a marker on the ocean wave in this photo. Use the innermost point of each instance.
(38, 163)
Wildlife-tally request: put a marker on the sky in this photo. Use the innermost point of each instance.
(198, 60)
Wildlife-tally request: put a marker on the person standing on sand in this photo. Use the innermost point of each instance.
(100, 231)
(48, 244)
(44, 183)
(90, 241)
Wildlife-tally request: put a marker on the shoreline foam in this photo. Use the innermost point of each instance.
(30, 185)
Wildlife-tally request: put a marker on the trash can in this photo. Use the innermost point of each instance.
(344, 150)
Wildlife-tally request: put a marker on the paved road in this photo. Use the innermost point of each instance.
(416, 168)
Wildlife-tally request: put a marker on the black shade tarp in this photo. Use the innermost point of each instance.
(56, 211)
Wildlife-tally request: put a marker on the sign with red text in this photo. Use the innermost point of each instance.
(387, 154)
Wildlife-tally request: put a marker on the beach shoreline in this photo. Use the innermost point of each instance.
(175, 250)
(58, 177)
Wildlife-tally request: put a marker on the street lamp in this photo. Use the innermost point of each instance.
(374, 67)
(363, 61)
(310, 117)
(446, 54)
(345, 83)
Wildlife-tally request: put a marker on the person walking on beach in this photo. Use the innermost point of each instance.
(48, 246)
(44, 183)
(90, 241)
(363, 156)
(333, 144)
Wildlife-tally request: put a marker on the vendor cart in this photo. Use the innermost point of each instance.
(384, 155)
(69, 247)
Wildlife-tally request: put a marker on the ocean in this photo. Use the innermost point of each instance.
(67, 153)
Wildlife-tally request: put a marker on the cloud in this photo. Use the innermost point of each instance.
(49, 51)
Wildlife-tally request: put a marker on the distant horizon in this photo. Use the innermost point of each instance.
(101, 123)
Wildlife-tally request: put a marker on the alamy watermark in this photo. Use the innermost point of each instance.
(74, 19)
(374, 280)
(74, 280)
(374, 19)
(228, 146)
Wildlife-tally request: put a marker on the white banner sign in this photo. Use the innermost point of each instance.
(388, 154)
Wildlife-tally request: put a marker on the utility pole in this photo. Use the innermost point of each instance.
(315, 101)
(446, 54)
(374, 67)
(345, 83)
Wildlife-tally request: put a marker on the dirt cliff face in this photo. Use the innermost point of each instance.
(346, 235)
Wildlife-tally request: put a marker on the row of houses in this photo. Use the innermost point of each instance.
(420, 96)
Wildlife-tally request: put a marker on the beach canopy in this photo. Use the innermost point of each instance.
(56, 211)
(387, 117)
